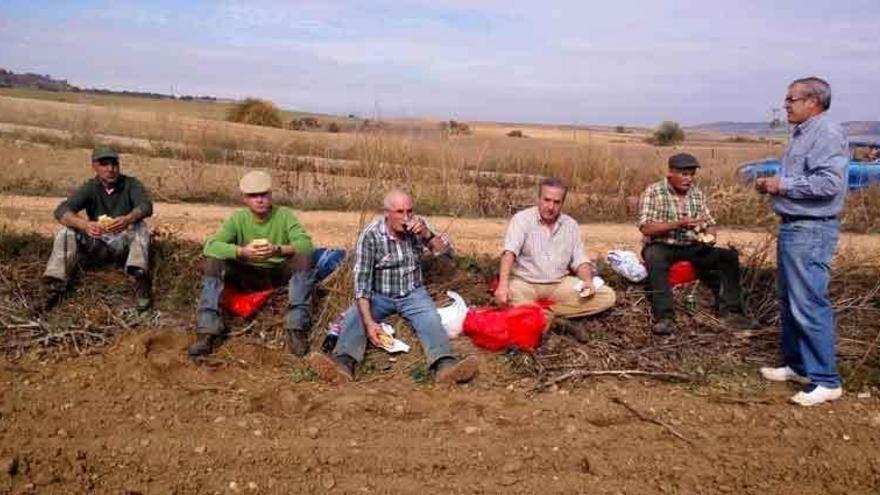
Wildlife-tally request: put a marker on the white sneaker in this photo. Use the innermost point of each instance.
(783, 374)
(819, 395)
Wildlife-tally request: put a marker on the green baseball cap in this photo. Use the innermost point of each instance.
(103, 152)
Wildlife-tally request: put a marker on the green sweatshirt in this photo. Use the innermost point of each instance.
(242, 227)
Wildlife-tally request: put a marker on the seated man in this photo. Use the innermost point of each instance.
(113, 229)
(542, 249)
(388, 280)
(258, 247)
(674, 220)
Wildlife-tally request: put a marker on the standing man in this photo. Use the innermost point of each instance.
(542, 249)
(113, 229)
(388, 280)
(258, 247)
(671, 212)
(808, 195)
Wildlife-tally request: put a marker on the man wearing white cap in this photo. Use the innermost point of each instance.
(256, 248)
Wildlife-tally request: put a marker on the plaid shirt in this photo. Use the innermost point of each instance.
(386, 265)
(659, 204)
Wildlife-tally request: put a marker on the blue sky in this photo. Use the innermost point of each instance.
(611, 62)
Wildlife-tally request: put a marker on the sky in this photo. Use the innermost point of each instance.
(572, 62)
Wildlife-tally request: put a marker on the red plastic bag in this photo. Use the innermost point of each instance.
(244, 304)
(681, 272)
(496, 329)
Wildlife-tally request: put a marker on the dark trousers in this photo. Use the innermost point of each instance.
(296, 273)
(717, 267)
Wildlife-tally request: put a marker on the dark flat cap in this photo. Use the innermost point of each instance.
(104, 152)
(683, 161)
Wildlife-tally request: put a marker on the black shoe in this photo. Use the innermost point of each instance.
(142, 287)
(739, 321)
(298, 342)
(53, 292)
(664, 327)
(203, 346)
(329, 343)
(572, 329)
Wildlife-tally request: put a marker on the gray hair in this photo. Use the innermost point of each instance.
(554, 182)
(816, 88)
(391, 195)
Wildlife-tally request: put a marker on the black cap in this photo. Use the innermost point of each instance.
(683, 161)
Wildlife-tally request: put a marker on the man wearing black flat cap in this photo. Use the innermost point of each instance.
(112, 229)
(677, 226)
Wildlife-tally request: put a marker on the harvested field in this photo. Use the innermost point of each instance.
(98, 399)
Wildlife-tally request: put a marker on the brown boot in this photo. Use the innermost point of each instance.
(334, 369)
(572, 329)
(450, 371)
(142, 289)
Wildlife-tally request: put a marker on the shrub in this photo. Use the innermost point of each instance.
(668, 133)
(333, 127)
(454, 128)
(620, 129)
(516, 133)
(254, 111)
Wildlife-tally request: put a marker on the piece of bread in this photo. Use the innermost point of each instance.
(386, 340)
(105, 220)
(260, 242)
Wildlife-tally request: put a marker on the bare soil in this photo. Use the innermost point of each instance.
(141, 418)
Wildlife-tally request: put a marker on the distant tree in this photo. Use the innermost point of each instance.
(455, 128)
(667, 133)
(516, 133)
(255, 111)
(620, 129)
(333, 127)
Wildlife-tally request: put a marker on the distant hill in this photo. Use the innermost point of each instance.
(853, 128)
(10, 79)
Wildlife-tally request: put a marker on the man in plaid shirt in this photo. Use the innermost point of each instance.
(677, 226)
(388, 280)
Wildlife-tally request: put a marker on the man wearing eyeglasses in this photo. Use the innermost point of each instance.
(808, 195)
(258, 247)
(388, 281)
(112, 230)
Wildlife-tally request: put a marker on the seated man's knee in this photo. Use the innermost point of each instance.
(300, 263)
(606, 297)
(213, 267)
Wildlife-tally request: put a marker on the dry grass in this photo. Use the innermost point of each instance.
(484, 174)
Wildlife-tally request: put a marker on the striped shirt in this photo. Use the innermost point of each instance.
(659, 204)
(543, 255)
(387, 265)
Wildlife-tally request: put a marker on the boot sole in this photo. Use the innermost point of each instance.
(463, 371)
(327, 369)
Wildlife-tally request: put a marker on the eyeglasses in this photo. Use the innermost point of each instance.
(789, 100)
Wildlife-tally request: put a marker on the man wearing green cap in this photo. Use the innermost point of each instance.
(257, 247)
(112, 229)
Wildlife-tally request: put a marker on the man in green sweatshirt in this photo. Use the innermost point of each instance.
(256, 248)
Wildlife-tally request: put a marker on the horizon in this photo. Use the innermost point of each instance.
(630, 63)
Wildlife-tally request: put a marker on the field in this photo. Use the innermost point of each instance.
(97, 399)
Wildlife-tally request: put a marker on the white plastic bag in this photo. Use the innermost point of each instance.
(628, 265)
(453, 316)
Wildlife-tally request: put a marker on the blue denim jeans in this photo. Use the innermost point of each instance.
(804, 252)
(297, 274)
(417, 308)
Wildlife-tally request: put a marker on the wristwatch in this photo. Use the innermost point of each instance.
(277, 250)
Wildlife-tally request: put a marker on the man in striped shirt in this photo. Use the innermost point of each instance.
(388, 280)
